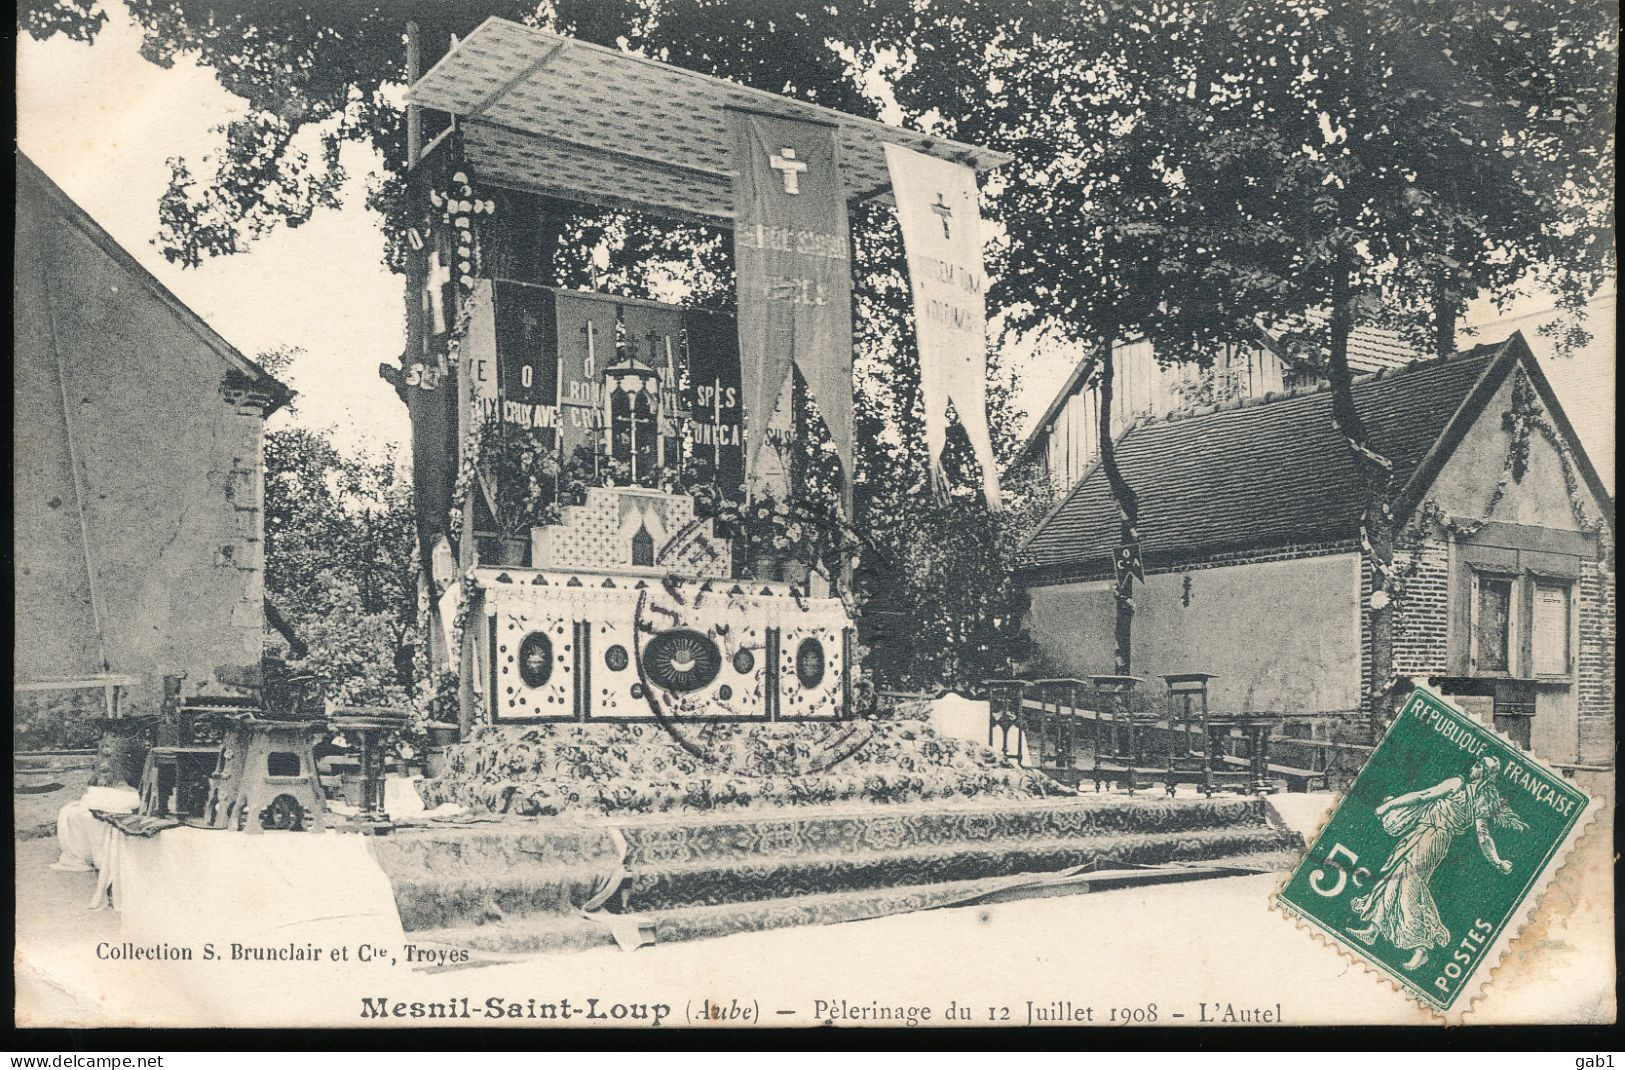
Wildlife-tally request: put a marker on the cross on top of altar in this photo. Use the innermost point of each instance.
(570, 119)
(434, 288)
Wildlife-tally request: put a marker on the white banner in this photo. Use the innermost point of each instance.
(942, 235)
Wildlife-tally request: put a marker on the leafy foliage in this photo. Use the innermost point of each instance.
(341, 567)
(518, 465)
(1182, 169)
(1185, 170)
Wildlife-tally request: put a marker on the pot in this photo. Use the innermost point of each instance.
(512, 552)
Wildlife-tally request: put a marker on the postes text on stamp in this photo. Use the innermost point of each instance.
(1428, 864)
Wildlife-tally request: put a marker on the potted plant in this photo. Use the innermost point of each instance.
(519, 467)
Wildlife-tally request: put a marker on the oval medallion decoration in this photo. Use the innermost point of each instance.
(810, 663)
(615, 658)
(744, 662)
(681, 660)
(535, 659)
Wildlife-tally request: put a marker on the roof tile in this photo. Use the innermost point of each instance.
(1259, 475)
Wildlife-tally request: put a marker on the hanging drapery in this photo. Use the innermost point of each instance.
(942, 236)
(792, 255)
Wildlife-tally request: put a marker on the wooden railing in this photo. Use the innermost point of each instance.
(1061, 725)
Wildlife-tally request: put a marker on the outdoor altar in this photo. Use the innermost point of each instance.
(636, 535)
(636, 512)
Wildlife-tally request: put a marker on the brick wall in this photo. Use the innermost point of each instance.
(1360, 724)
(1422, 621)
(1596, 663)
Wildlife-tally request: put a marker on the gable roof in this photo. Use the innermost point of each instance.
(1371, 349)
(29, 175)
(1275, 473)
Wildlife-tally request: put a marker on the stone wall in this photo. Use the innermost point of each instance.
(138, 470)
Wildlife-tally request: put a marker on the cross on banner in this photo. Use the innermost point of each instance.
(789, 169)
(944, 212)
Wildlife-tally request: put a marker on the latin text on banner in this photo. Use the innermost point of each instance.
(792, 253)
(942, 235)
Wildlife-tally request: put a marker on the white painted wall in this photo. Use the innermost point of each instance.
(1281, 635)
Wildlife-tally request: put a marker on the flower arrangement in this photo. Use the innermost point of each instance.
(803, 531)
(521, 467)
(586, 468)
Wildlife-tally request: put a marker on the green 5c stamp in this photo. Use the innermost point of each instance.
(1430, 860)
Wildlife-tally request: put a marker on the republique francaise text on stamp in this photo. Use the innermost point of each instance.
(1430, 861)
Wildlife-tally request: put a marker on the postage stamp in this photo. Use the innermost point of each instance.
(1431, 861)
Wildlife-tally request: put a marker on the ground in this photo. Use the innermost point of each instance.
(1210, 945)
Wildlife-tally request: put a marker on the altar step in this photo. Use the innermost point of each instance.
(521, 886)
(708, 882)
(547, 933)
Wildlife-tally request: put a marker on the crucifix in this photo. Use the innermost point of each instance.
(789, 168)
(435, 282)
(944, 212)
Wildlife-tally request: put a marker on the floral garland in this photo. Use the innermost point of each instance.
(459, 207)
(1523, 417)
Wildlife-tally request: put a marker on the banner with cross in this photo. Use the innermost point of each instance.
(942, 236)
(792, 255)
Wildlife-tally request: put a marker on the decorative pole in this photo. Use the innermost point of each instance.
(414, 115)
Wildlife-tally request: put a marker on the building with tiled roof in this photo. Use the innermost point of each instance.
(1066, 438)
(138, 477)
(1249, 526)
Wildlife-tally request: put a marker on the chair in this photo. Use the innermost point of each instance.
(1053, 734)
(1190, 718)
(1005, 699)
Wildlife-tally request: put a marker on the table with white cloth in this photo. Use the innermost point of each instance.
(80, 837)
(279, 887)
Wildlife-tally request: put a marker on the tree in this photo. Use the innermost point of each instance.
(340, 569)
(1425, 153)
(1124, 212)
(324, 72)
(318, 76)
(1187, 169)
(1182, 169)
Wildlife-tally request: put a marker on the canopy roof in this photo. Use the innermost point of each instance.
(571, 119)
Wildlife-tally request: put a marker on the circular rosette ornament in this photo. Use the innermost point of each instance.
(681, 660)
(710, 653)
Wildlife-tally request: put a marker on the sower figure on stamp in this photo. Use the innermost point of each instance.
(1400, 907)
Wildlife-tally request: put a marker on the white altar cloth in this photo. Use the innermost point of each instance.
(266, 889)
(959, 717)
(80, 837)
